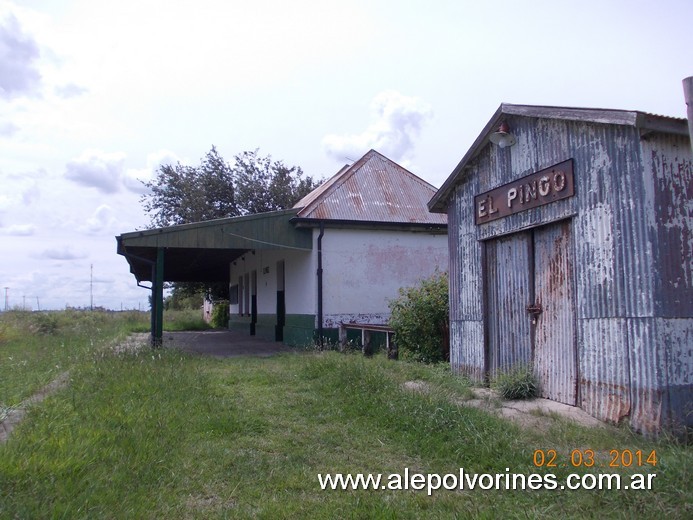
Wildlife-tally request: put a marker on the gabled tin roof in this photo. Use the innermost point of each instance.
(374, 189)
(643, 121)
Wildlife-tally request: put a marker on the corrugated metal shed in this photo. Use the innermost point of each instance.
(373, 189)
(626, 271)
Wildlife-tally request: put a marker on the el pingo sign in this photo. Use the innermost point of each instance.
(543, 187)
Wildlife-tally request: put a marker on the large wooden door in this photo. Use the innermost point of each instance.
(530, 307)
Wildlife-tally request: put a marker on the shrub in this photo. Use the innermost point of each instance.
(420, 319)
(220, 315)
(518, 382)
(44, 324)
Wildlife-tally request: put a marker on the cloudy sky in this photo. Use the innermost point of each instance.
(95, 95)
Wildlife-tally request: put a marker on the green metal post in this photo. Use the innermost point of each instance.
(158, 300)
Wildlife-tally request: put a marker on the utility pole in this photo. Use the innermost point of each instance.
(38, 305)
(688, 96)
(91, 287)
(7, 301)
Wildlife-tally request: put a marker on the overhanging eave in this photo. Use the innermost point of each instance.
(202, 251)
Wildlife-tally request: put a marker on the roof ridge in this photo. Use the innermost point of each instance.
(383, 188)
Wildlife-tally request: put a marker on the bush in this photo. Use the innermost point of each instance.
(44, 324)
(420, 319)
(518, 382)
(220, 315)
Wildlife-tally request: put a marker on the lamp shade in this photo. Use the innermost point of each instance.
(502, 137)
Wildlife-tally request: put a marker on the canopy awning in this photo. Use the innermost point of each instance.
(202, 251)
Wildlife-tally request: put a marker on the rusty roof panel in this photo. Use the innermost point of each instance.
(373, 189)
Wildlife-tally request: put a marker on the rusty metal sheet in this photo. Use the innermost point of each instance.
(555, 354)
(468, 357)
(508, 275)
(672, 176)
(632, 256)
(466, 304)
(373, 189)
(676, 336)
(604, 378)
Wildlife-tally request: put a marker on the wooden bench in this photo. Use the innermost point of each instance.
(366, 329)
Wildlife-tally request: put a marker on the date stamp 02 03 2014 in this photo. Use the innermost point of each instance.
(587, 458)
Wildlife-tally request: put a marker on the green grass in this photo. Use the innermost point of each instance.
(35, 347)
(189, 319)
(165, 435)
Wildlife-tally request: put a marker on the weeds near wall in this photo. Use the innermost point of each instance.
(220, 315)
(517, 382)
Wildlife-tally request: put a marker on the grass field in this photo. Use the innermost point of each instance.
(164, 435)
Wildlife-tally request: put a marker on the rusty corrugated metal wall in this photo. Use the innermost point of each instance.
(632, 243)
(507, 292)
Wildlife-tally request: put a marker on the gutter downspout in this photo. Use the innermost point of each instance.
(320, 331)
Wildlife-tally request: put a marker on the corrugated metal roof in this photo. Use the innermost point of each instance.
(202, 251)
(373, 189)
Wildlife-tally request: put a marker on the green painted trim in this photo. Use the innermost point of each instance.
(299, 329)
(158, 299)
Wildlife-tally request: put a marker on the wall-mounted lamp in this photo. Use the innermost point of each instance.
(502, 137)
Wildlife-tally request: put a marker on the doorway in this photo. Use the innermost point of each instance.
(253, 302)
(281, 303)
(530, 299)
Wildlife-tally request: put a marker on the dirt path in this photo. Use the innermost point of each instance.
(11, 417)
(535, 413)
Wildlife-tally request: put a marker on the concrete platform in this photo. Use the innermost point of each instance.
(223, 343)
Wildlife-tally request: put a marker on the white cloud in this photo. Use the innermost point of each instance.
(21, 230)
(134, 179)
(101, 220)
(31, 194)
(8, 129)
(69, 90)
(62, 253)
(398, 120)
(19, 191)
(97, 169)
(19, 54)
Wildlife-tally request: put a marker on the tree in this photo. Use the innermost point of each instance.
(184, 194)
(262, 185)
